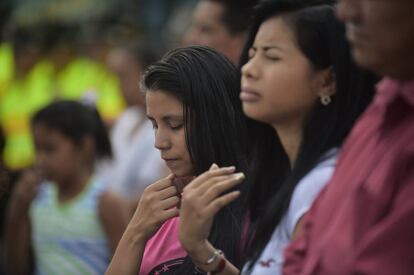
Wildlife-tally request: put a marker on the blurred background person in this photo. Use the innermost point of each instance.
(61, 219)
(3, 170)
(136, 162)
(23, 92)
(222, 25)
(4, 186)
(362, 222)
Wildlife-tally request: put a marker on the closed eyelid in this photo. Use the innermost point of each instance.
(176, 119)
(273, 49)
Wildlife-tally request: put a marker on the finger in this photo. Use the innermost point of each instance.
(209, 174)
(170, 213)
(169, 203)
(162, 183)
(206, 185)
(216, 190)
(213, 167)
(166, 193)
(217, 204)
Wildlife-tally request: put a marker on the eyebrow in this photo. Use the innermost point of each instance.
(169, 118)
(266, 48)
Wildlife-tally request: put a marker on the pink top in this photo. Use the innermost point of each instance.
(363, 221)
(163, 252)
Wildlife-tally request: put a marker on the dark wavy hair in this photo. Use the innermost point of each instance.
(208, 85)
(75, 121)
(321, 38)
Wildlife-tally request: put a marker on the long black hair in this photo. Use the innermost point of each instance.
(208, 85)
(321, 38)
(75, 121)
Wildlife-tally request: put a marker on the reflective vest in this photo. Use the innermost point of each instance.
(84, 79)
(19, 100)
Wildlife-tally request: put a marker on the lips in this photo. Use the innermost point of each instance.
(354, 34)
(170, 161)
(249, 95)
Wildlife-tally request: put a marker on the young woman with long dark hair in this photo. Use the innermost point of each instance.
(192, 98)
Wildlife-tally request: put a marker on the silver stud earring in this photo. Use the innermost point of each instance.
(325, 100)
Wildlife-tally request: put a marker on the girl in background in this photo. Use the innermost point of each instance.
(61, 219)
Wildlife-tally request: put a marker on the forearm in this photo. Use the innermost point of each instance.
(18, 242)
(128, 255)
(203, 252)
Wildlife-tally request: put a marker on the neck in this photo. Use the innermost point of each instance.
(70, 187)
(291, 138)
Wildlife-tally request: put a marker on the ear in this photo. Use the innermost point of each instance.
(326, 83)
(88, 146)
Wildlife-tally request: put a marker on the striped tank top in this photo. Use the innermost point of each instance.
(68, 237)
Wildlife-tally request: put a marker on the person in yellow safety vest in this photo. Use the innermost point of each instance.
(21, 96)
(6, 65)
(26, 86)
(80, 77)
(87, 80)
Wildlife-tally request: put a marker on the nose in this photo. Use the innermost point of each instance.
(40, 159)
(250, 69)
(162, 140)
(348, 10)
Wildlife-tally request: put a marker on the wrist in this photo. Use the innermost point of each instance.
(135, 235)
(199, 251)
(214, 265)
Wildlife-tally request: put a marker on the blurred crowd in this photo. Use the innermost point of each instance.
(93, 52)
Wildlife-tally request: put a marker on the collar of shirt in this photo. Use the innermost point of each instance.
(390, 89)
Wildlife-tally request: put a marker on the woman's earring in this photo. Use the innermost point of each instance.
(325, 100)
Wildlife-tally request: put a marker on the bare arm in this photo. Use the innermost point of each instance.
(201, 200)
(204, 252)
(112, 213)
(19, 259)
(128, 255)
(18, 243)
(155, 207)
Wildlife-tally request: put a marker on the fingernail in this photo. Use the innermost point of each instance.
(239, 176)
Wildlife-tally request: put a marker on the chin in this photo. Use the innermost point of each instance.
(182, 172)
(250, 111)
(366, 59)
(254, 113)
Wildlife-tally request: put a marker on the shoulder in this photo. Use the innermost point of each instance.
(110, 201)
(112, 210)
(309, 187)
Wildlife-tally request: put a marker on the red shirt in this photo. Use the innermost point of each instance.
(363, 221)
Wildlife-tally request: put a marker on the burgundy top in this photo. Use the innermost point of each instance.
(363, 221)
